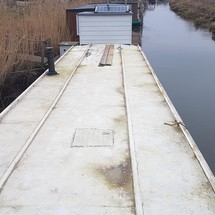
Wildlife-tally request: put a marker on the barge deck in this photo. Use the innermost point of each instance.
(100, 140)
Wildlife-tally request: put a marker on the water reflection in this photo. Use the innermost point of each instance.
(183, 59)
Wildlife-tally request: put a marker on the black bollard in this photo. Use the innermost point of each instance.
(51, 65)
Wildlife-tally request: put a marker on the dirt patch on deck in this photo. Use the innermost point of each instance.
(118, 177)
(121, 120)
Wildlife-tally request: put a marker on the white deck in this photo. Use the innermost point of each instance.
(98, 144)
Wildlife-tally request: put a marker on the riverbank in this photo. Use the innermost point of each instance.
(201, 12)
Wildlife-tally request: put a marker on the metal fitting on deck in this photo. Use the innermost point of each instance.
(50, 56)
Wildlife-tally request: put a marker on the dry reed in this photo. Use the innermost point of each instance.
(201, 12)
(23, 25)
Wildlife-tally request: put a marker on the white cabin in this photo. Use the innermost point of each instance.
(107, 24)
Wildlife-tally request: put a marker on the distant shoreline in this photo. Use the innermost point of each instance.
(201, 12)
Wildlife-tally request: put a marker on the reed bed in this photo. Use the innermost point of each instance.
(201, 12)
(23, 25)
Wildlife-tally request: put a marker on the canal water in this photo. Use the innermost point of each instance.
(184, 60)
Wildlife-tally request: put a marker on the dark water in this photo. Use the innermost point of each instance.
(184, 60)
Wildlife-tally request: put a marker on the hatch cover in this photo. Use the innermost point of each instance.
(93, 137)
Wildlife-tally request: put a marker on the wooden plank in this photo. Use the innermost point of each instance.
(104, 56)
(110, 56)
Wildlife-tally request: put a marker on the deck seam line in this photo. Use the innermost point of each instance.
(200, 158)
(18, 157)
(134, 163)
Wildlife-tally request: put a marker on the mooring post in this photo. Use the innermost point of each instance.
(50, 56)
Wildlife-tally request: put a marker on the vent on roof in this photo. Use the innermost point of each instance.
(112, 9)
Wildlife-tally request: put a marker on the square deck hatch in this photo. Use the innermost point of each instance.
(93, 137)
